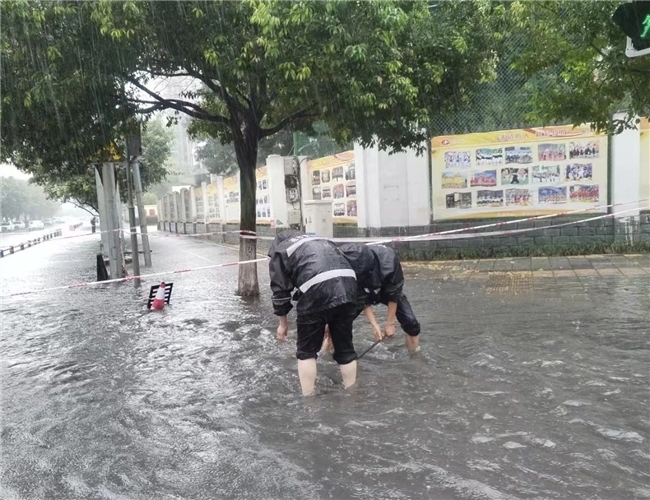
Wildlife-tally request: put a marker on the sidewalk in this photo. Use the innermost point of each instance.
(514, 276)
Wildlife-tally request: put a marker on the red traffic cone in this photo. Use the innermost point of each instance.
(159, 301)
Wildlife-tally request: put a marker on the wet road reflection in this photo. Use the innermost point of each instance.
(542, 394)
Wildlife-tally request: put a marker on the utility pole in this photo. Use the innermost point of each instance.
(135, 255)
(134, 152)
(114, 246)
(141, 214)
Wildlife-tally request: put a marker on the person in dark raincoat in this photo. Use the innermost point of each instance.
(380, 280)
(326, 295)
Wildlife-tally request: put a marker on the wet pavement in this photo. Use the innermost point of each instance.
(532, 383)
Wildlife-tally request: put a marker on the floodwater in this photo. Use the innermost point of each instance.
(542, 395)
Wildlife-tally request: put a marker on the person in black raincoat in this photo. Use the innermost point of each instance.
(326, 295)
(380, 280)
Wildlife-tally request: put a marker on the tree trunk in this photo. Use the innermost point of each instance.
(248, 285)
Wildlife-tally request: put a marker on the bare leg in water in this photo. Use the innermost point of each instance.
(327, 346)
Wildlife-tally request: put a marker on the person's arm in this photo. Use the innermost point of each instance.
(376, 330)
(282, 286)
(283, 328)
(390, 320)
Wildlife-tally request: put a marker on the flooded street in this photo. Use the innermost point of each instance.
(530, 385)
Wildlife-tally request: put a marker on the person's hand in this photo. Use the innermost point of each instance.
(282, 332)
(390, 330)
(376, 331)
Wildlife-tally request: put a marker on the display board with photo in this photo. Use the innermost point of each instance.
(514, 176)
(546, 174)
(334, 178)
(262, 196)
(584, 149)
(486, 178)
(536, 170)
(454, 180)
(489, 157)
(212, 195)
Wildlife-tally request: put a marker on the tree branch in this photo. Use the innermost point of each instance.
(79, 204)
(303, 113)
(194, 110)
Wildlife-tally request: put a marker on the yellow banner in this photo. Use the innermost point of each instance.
(516, 136)
(510, 173)
(334, 177)
(644, 184)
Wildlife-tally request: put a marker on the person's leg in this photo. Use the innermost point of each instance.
(311, 330)
(340, 321)
(409, 324)
(327, 342)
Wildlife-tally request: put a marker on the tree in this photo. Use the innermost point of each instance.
(578, 55)
(372, 71)
(78, 185)
(22, 198)
(221, 159)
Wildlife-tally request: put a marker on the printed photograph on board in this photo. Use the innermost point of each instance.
(584, 193)
(519, 154)
(583, 149)
(459, 200)
(489, 198)
(489, 157)
(315, 192)
(546, 174)
(337, 173)
(350, 189)
(352, 208)
(338, 209)
(579, 172)
(339, 192)
(551, 152)
(458, 159)
(325, 176)
(326, 193)
(518, 197)
(551, 195)
(454, 180)
(514, 176)
(315, 178)
(487, 178)
(350, 173)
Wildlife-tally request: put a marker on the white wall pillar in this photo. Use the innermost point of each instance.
(392, 190)
(626, 169)
(192, 203)
(183, 207)
(204, 195)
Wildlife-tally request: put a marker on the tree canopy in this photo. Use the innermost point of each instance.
(576, 53)
(374, 71)
(78, 186)
(20, 198)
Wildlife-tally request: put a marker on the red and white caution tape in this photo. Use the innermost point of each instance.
(131, 278)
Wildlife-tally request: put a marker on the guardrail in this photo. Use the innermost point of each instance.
(29, 243)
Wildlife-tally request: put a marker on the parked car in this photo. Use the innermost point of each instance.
(18, 224)
(35, 225)
(7, 227)
(48, 222)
